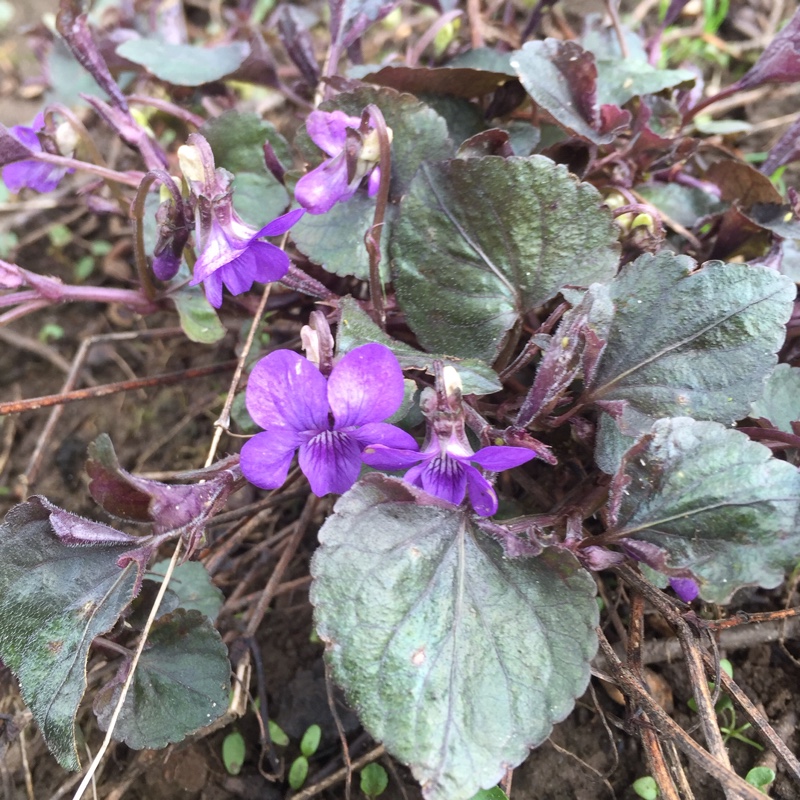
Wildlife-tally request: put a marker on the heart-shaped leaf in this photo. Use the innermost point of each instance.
(185, 64)
(356, 328)
(690, 343)
(480, 242)
(61, 585)
(181, 684)
(192, 585)
(780, 403)
(456, 657)
(717, 503)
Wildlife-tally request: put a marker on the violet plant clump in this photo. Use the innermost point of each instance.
(566, 336)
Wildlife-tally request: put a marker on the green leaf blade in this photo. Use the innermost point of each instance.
(463, 259)
(54, 600)
(717, 503)
(181, 684)
(458, 659)
(690, 343)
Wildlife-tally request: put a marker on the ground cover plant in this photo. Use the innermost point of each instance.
(511, 318)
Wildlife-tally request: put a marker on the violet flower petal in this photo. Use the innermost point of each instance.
(266, 458)
(379, 456)
(331, 461)
(374, 182)
(482, 495)
(218, 251)
(213, 289)
(365, 386)
(269, 263)
(498, 458)
(385, 434)
(328, 129)
(446, 478)
(282, 224)
(286, 390)
(321, 189)
(685, 588)
(237, 274)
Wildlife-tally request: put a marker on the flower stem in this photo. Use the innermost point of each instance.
(131, 178)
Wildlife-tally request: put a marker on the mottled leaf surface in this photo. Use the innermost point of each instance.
(192, 584)
(478, 243)
(719, 504)
(185, 64)
(357, 328)
(181, 684)
(457, 658)
(58, 591)
(690, 343)
(620, 80)
(780, 403)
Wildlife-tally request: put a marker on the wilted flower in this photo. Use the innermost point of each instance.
(230, 251)
(444, 467)
(328, 421)
(31, 173)
(337, 178)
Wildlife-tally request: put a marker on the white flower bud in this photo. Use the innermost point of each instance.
(66, 139)
(452, 381)
(191, 163)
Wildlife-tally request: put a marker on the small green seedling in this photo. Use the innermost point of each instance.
(646, 788)
(495, 793)
(298, 772)
(234, 751)
(374, 780)
(761, 777)
(277, 735)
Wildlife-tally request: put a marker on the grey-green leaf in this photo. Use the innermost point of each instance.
(780, 403)
(690, 343)
(620, 80)
(357, 328)
(54, 600)
(198, 319)
(480, 242)
(457, 658)
(181, 684)
(237, 141)
(185, 64)
(192, 584)
(719, 504)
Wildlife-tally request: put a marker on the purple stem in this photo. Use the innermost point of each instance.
(132, 178)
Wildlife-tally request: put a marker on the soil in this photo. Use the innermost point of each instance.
(593, 754)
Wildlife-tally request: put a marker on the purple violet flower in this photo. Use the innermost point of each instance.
(444, 469)
(334, 181)
(233, 255)
(31, 173)
(685, 588)
(329, 421)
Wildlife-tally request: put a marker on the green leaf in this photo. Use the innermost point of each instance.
(561, 78)
(467, 266)
(335, 240)
(495, 793)
(198, 318)
(620, 80)
(185, 64)
(684, 343)
(717, 503)
(181, 684)
(298, 772)
(419, 133)
(780, 403)
(310, 741)
(192, 584)
(454, 656)
(234, 752)
(646, 788)
(761, 778)
(373, 780)
(356, 328)
(237, 141)
(686, 205)
(55, 598)
(277, 734)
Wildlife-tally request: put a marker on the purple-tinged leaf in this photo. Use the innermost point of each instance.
(785, 150)
(494, 142)
(73, 26)
(181, 684)
(458, 81)
(184, 509)
(60, 586)
(350, 18)
(780, 61)
(687, 341)
(561, 77)
(444, 616)
(461, 265)
(11, 148)
(298, 43)
(716, 504)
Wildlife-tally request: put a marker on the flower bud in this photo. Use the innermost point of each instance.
(191, 163)
(66, 139)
